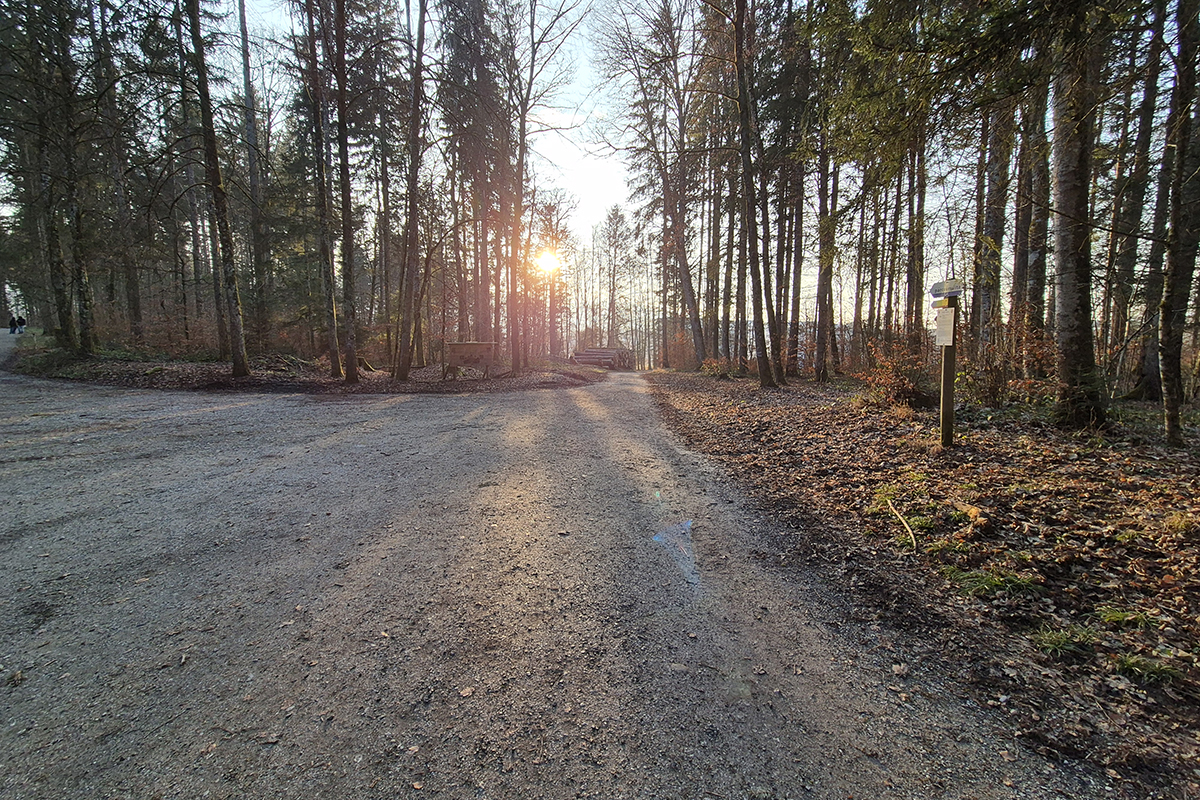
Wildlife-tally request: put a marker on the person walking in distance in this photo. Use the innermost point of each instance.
(12, 324)
(20, 324)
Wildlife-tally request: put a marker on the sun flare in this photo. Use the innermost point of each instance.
(548, 262)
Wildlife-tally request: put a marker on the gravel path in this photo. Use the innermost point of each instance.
(462, 596)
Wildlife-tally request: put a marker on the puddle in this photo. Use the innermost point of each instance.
(678, 541)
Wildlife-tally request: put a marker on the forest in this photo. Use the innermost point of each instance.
(359, 187)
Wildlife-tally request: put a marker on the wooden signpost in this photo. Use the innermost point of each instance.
(947, 294)
(479, 355)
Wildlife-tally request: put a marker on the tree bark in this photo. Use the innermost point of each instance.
(117, 160)
(241, 364)
(1039, 222)
(1148, 385)
(987, 281)
(766, 376)
(260, 247)
(410, 255)
(915, 263)
(1184, 133)
(324, 248)
(826, 242)
(1080, 400)
(349, 300)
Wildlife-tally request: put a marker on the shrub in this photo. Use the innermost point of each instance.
(901, 376)
(718, 367)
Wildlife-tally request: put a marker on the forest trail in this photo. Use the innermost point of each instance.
(467, 596)
(8, 342)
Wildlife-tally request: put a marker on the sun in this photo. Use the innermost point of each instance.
(548, 262)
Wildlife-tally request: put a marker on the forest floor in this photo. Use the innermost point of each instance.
(283, 373)
(1058, 571)
(1034, 613)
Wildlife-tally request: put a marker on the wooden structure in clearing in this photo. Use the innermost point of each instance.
(608, 357)
(478, 355)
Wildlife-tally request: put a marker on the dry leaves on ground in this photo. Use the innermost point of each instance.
(1056, 572)
(279, 373)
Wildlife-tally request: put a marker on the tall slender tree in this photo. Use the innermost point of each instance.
(216, 186)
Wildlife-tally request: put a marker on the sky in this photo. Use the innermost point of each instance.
(562, 159)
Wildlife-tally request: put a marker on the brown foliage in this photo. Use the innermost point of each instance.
(1057, 573)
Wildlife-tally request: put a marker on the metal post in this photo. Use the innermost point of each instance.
(948, 371)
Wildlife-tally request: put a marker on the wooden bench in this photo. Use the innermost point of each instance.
(478, 355)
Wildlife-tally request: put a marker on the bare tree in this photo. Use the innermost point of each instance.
(537, 32)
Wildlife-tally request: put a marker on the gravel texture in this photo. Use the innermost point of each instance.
(457, 596)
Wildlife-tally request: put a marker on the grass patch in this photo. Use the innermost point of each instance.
(960, 517)
(1121, 617)
(989, 583)
(1147, 669)
(1059, 642)
(922, 523)
(883, 493)
(947, 546)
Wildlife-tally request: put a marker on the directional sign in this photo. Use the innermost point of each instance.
(951, 288)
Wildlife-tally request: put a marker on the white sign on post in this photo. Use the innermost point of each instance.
(945, 327)
(950, 288)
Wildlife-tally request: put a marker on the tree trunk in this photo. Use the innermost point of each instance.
(241, 365)
(349, 299)
(797, 263)
(48, 234)
(410, 256)
(915, 272)
(679, 234)
(324, 248)
(117, 160)
(214, 266)
(856, 324)
(1080, 399)
(1039, 223)
(1148, 384)
(766, 377)
(190, 193)
(1024, 217)
(764, 195)
(978, 290)
(385, 219)
(727, 345)
(987, 282)
(1184, 133)
(826, 242)
(260, 248)
(1128, 221)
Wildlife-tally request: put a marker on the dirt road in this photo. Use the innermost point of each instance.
(418, 596)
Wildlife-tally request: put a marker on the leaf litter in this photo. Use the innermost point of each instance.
(1056, 571)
